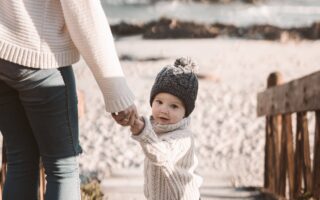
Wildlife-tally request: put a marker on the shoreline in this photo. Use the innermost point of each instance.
(171, 28)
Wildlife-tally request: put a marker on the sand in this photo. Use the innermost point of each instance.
(229, 136)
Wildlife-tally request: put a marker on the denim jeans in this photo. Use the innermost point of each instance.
(39, 118)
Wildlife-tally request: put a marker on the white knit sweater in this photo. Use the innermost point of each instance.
(51, 33)
(170, 161)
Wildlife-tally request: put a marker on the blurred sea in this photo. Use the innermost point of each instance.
(282, 13)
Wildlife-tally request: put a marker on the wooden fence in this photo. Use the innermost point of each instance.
(287, 153)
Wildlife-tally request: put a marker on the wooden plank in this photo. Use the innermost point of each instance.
(271, 158)
(306, 154)
(290, 155)
(283, 157)
(41, 182)
(3, 167)
(316, 160)
(267, 154)
(276, 151)
(298, 158)
(298, 95)
(270, 152)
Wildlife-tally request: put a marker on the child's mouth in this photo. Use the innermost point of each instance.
(163, 119)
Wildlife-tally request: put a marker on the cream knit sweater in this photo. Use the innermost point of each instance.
(51, 33)
(170, 161)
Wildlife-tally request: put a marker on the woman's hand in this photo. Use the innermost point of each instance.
(127, 116)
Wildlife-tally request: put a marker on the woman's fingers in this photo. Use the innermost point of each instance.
(126, 117)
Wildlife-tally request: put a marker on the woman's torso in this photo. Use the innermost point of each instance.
(33, 34)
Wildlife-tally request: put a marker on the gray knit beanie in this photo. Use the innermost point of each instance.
(179, 80)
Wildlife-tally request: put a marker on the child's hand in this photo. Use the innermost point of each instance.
(137, 126)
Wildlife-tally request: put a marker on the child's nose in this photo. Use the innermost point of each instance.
(164, 109)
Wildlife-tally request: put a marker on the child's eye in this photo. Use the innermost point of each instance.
(174, 106)
(158, 101)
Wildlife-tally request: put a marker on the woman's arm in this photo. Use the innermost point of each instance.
(91, 34)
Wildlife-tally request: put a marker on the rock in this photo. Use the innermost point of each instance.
(172, 28)
(262, 32)
(313, 33)
(126, 29)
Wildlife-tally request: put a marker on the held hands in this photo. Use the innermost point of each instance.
(127, 116)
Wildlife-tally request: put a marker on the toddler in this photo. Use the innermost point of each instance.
(165, 137)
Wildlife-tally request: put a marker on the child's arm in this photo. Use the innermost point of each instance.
(137, 126)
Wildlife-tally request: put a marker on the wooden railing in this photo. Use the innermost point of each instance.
(288, 161)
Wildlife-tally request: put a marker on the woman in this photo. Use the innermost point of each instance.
(39, 41)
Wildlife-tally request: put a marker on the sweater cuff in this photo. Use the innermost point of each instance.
(117, 94)
(144, 135)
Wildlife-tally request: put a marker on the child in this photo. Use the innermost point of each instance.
(166, 139)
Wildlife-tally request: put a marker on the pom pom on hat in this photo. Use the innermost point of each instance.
(187, 64)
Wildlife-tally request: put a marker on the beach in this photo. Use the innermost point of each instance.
(229, 136)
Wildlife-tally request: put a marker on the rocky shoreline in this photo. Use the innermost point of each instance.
(166, 28)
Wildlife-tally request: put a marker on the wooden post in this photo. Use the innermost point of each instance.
(302, 158)
(306, 155)
(42, 184)
(267, 155)
(316, 159)
(276, 152)
(269, 169)
(272, 147)
(290, 155)
(287, 157)
(298, 157)
(283, 156)
(3, 167)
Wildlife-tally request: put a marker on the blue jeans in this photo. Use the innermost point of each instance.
(39, 118)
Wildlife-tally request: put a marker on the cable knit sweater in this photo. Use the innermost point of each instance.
(170, 161)
(51, 33)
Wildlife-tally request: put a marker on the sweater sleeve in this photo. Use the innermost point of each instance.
(91, 34)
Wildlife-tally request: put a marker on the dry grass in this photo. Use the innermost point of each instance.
(91, 191)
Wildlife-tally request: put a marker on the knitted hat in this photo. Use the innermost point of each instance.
(179, 80)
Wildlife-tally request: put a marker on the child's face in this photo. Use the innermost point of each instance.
(167, 109)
